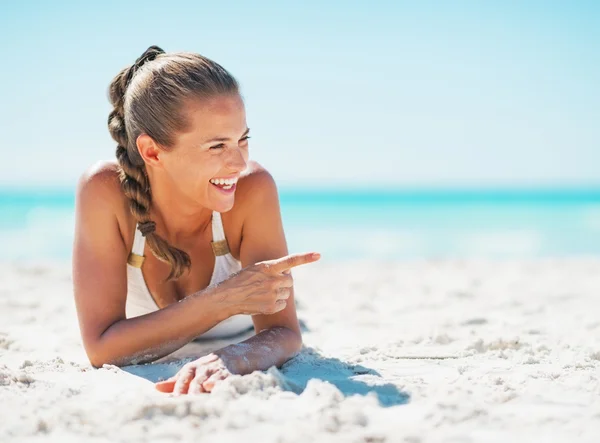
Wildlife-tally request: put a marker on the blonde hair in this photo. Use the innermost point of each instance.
(148, 98)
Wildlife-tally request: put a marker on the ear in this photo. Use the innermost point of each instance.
(149, 150)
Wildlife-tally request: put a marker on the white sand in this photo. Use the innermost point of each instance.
(430, 351)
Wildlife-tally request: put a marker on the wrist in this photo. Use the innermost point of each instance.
(219, 299)
(232, 361)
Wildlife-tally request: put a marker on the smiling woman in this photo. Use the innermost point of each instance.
(182, 236)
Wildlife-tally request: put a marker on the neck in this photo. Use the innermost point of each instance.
(177, 217)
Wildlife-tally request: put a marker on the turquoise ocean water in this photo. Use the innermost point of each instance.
(37, 224)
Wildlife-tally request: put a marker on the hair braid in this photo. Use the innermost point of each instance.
(132, 170)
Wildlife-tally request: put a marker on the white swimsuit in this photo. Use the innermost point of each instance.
(140, 301)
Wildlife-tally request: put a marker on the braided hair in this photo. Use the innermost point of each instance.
(148, 97)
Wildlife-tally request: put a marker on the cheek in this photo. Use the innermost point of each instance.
(186, 174)
(192, 172)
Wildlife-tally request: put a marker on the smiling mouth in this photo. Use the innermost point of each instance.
(227, 188)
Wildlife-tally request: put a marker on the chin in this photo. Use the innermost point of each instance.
(221, 201)
(223, 206)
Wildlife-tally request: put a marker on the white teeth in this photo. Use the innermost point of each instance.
(221, 181)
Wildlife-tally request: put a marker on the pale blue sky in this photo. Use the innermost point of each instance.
(372, 92)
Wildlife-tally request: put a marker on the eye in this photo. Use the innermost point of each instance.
(245, 138)
(219, 146)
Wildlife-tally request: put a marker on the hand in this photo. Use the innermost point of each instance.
(263, 288)
(196, 377)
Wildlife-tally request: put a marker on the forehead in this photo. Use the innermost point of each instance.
(220, 116)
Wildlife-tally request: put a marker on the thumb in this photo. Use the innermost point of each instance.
(165, 386)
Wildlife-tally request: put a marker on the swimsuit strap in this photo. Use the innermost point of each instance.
(136, 257)
(219, 242)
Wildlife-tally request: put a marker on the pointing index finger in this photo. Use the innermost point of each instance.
(289, 261)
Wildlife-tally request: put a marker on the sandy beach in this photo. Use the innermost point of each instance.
(448, 351)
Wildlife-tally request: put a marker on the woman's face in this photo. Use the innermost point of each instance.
(214, 149)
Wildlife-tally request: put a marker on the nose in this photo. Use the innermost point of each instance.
(237, 160)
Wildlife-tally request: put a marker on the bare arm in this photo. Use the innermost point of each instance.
(100, 288)
(149, 337)
(278, 335)
(270, 347)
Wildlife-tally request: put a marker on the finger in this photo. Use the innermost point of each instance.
(196, 388)
(165, 385)
(289, 261)
(283, 281)
(186, 374)
(208, 358)
(168, 385)
(280, 305)
(196, 384)
(209, 384)
(284, 293)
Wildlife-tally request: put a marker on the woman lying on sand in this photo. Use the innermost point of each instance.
(182, 236)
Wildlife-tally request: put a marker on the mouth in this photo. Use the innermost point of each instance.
(225, 190)
(225, 186)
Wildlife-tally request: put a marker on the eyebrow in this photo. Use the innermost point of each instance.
(224, 139)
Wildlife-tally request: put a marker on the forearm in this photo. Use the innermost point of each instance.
(270, 347)
(152, 336)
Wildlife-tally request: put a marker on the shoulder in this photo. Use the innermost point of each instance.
(255, 214)
(255, 189)
(100, 180)
(256, 186)
(99, 189)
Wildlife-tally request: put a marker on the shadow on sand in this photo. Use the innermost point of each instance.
(307, 365)
(348, 378)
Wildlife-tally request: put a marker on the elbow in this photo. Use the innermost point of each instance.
(299, 344)
(296, 342)
(299, 341)
(97, 361)
(294, 339)
(98, 355)
(100, 350)
(91, 345)
(295, 345)
(290, 339)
